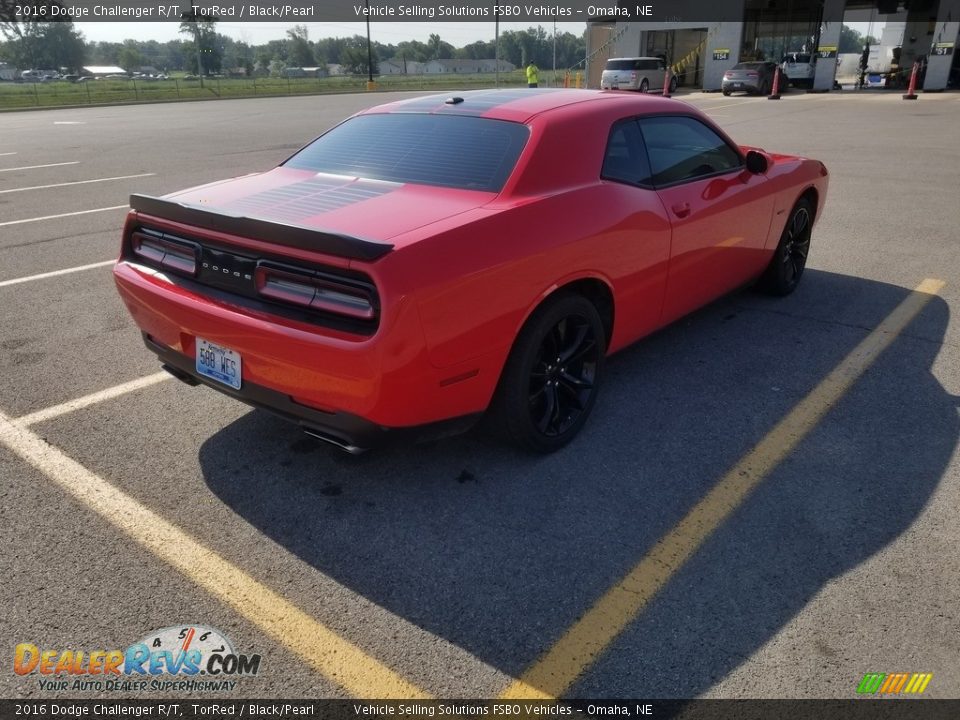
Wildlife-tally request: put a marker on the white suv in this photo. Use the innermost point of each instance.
(800, 68)
(636, 73)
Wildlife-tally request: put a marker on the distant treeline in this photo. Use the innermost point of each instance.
(59, 45)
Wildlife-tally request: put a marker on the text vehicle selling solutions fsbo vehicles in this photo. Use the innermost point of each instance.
(434, 259)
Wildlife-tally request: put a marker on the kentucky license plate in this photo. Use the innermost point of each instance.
(219, 363)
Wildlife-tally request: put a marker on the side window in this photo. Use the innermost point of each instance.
(683, 148)
(625, 159)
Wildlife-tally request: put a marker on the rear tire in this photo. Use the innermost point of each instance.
(790, 258)
(644, 86)
(726, 93)
(550, 381)
(673, 85)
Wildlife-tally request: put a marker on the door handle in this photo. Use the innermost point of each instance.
(681, 210)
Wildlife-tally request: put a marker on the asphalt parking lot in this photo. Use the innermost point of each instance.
(133, 503)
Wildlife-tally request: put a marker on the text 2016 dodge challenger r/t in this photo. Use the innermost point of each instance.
(433, 259)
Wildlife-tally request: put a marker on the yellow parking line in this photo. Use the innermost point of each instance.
(336, 658)
(585, 640)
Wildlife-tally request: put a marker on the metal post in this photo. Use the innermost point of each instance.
(554, 52)
(370, 85)
(496, 45)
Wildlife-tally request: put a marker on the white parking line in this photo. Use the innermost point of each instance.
(35, 167)
(55, 273)
(92, 399)
(60, 215)
(77, 182)
(5, 154)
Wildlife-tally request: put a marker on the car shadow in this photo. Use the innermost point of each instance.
(499, 552)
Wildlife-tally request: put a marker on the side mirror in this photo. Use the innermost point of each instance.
(756, 162)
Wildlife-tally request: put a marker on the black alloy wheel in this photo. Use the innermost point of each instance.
(550, 382)
(790, 258)
(644, 85)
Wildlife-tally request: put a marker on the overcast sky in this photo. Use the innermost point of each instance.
(389, 33)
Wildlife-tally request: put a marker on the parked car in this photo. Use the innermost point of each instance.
(639, 73)
(752, 77)
(800, 68)
(369, 286)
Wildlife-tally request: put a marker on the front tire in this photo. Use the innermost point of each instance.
(550, 381)
(790, 258)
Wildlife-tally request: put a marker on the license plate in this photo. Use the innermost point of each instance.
(219, 363)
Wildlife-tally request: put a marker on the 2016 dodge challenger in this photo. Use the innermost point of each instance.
(431, 260)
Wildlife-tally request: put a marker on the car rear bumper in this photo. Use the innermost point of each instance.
(608, 84)
(348, 432)
(352, 388)
(740, 86)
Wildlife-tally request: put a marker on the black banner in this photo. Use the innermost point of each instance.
(301, 11)
(188, 709)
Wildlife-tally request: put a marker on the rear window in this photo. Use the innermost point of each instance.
(468, 153)
(633, 64)
(798, 59)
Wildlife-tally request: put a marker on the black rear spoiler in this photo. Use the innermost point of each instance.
(269, 231)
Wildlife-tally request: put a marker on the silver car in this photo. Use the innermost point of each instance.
(751, 77)
(636, 73)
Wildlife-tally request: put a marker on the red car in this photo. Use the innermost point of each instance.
(431, 260)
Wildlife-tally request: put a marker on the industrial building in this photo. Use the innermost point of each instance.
(700, 52)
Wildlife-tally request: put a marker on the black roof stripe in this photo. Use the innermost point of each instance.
(475, 102)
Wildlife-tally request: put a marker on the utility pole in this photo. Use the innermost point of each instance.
(554, 52)
(194, 17)
(496, 44)
(369, 50)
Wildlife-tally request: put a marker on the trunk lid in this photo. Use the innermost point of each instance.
(362, 208)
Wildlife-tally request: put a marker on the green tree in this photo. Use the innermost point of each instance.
(49, 45)
(130, 58)
(299, 51)
(413, 50)
(202, 28)
(354, 56)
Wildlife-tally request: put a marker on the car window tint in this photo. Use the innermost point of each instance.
(683, 148)
(625, 159)
(469, 153)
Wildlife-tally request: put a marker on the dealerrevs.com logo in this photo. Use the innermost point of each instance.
(181, 658)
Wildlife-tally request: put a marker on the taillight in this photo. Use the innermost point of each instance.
(317, 291)
(727, 75)
(753, 74)
(158, 249)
